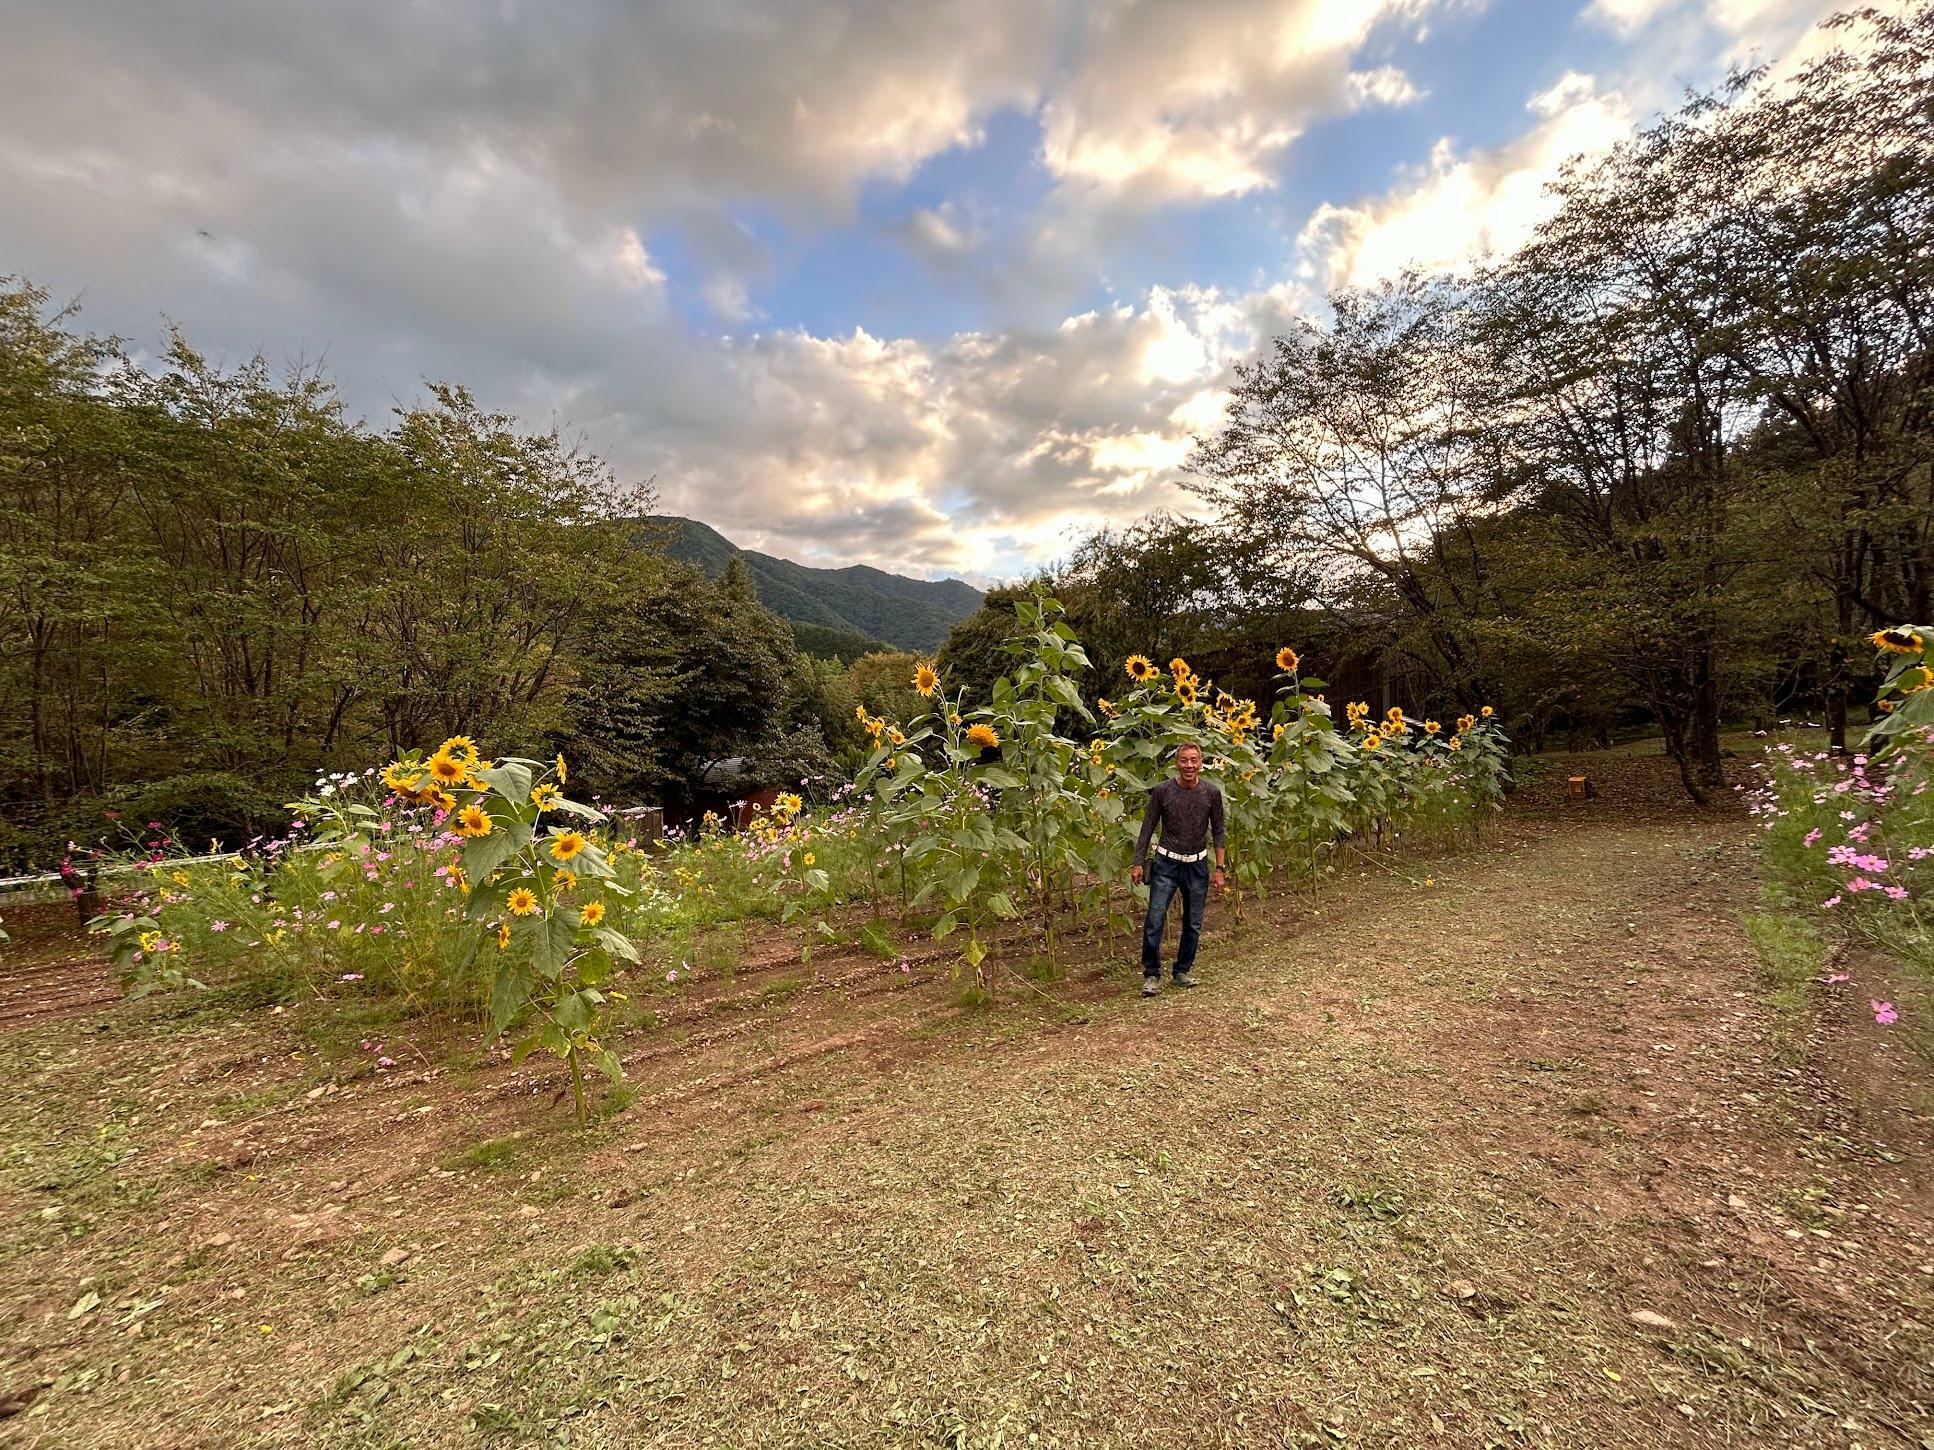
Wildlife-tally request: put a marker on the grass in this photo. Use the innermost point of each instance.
(1792, 955)
(1336, 1197)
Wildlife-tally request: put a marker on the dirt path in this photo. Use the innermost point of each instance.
(50, 969)
(1402, 1173)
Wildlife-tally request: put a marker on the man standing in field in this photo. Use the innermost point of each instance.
(1189, 811)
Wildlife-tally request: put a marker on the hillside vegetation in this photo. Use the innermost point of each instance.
(914, 614)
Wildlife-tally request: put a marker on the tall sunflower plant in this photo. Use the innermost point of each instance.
(1041, 796)
(1905, 701)
(539, 888)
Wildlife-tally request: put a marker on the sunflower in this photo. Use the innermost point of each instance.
(788, 804)
(1465, 722)
(1225, 702)
(396, 778)
(985, 735)
(1487, 712)
(1912, 682)
(895, 734)
(925, 679)
(1106, 707)
(562, 774)
(544, 797)
(460, 748)
(807, 859)
(1373, 741)
(1286, 660)
(567, 845)
(447, 771)
(892, 761)
(474, 821)
(1431, 727)
(1395, 712)
(876, 727)
(1277, 733)
(859, 713)
(1179, 667)
(503, 936)
(1897, 641)
(564, 881)
(1140, 668)
(591, 913)
(437, 796)
(1185, 692)
(521, 902)
(953, 717)
(1457, 742)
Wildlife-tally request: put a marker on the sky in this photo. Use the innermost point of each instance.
(934, 285)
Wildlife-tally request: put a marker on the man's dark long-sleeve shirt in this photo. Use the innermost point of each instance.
(1187, 817)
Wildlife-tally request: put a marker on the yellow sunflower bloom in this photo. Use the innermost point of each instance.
(925, 678)
(984, 735)
(895, 734)
(1179, 667)
(567, 845)
(544, 796)
(503, 936)
(460, 748)
(446, 771)
(564, 881)
(562, 774)
(1431, 727)
(521, 902)
(437, 796)
(591, 913)
(1897, 641)
(859, 713)
(807, 859)
(1185, 692)
(1486, 712)
(1106, 707)
(1286, 660)
(474, 821)
(1457, 742)
(1373, 741)
(1140, 668)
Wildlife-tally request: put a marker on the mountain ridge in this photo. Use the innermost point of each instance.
(857, 599)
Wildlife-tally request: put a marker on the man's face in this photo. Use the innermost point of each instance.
(1188, 766)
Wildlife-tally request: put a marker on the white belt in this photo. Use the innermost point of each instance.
(1178, 856)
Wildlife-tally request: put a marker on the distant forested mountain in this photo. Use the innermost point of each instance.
(835, 609)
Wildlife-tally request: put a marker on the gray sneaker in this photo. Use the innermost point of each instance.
(1151, 985)
(1186, 979)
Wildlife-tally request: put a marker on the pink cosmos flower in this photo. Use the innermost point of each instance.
(1812, 837)
(1884, 1012)
(1832, 977)
(1861, 883)
(1896, 893)
(1833, 900)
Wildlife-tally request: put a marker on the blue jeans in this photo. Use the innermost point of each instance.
(1166, 879)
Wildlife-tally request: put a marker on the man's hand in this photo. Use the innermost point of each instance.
(1135, 874)
(1219, 881)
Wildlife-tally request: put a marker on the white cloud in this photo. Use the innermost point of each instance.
(1192, 100)
(1462, 207)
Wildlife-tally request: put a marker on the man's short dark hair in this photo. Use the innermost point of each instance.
(1188, 745)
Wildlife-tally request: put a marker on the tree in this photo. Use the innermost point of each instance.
(1357, 456)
